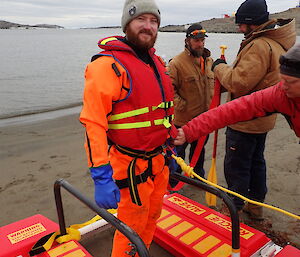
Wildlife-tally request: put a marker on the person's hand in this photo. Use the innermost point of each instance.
(107, 194)
(217, 62)
(180, 139)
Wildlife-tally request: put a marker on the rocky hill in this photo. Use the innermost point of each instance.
(10, 25)
(227, 25)
(215, 25)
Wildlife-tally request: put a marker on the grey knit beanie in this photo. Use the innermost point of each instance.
(134, 8)
(290, 62)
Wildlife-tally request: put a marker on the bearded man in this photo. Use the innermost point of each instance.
(193, 83)
(128, 103)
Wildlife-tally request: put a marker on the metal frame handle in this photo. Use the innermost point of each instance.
(110, 218)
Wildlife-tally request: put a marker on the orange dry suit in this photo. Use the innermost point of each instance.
(131, 104)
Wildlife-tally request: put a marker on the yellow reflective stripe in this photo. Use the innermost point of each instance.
(103, 42)
(163, 105)
(129, 114)
(130, 125)
(165, 121)
(140, 111)
(159, 122)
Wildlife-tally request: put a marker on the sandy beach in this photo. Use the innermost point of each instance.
(34, 155)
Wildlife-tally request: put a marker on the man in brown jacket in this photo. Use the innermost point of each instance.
(256, 67)
(193, 82)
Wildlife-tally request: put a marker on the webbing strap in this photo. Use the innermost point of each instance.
(134, 193)
(141, 178)
(145, 155)
(72, 234)
(133, 180)
(43, 244)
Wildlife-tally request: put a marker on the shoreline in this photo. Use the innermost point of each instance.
(40, 116)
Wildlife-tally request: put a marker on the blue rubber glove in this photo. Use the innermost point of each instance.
(107, 194)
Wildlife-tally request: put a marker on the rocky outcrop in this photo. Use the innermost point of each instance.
(11, 25)
(227, 25)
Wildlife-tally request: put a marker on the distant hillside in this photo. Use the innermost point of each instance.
(11, 25)
(227, 25)
(215, 25)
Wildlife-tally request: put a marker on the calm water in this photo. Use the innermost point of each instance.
(43, 70)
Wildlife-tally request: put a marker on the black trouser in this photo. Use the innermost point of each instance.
(245, 166)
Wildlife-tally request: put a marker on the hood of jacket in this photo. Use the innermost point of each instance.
(283, 31)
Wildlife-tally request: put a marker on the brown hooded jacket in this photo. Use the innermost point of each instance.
(257, 67)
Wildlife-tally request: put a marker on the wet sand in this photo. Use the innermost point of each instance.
(34, 155)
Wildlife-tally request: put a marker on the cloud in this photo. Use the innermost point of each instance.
(94, 13)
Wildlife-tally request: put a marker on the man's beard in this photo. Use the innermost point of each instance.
(133, 37)
(195, 52)
(248, 31)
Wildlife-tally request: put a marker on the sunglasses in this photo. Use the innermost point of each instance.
(197, 32)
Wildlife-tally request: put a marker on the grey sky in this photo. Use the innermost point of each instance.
(94, 13)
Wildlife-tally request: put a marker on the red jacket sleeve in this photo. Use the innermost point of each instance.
(258, 104)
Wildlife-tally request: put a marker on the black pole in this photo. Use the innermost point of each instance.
(235, 222)
(122, 227)
(59, 207)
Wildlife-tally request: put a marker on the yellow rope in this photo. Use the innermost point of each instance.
(190, 172)
(73, 231)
